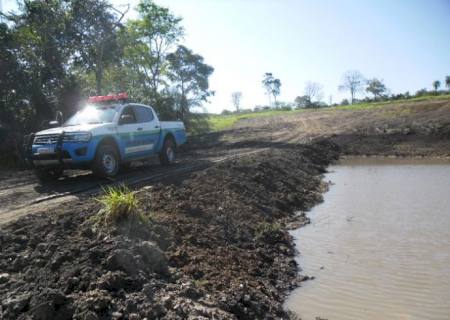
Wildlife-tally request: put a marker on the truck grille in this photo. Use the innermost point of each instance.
(46, 139)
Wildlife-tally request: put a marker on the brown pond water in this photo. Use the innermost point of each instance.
(379, 244)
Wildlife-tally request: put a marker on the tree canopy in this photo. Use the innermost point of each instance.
(436, 85)
(272, 86)
(376, 87)
(189, 76)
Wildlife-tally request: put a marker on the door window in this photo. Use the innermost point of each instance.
(143, 114)
(128, 116)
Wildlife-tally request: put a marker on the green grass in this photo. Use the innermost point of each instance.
(201, 283)
(223, 122)
(120, 204)
(370, 105)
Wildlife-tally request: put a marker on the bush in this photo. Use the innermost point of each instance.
(345, 102)
(421, 92)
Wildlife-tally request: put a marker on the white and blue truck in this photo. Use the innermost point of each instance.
(107, 133)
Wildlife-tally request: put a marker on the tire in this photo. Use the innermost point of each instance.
(106, 162)
(167, 155)
(46, 174)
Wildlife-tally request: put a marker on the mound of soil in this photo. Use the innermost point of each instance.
(215, 246)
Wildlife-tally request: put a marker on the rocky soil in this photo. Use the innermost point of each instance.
(213, 245)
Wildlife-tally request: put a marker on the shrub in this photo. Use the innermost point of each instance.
(345, 102)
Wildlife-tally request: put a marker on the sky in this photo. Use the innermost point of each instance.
(404, 42)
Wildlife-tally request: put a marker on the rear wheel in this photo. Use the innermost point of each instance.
(106, 163)
(167, 155)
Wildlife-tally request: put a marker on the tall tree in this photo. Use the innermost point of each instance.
(190, 77)
(272, 86)
(376, 87)
(236, 99)
(313, 92)
(93, 29)
(436, 85)
(447, 82)
(42, 50)
(35, 51)
(12, 113)
(353, 82)
(148, 41)
(302, 102)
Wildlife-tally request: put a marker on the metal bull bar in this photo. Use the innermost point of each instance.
(58, 148)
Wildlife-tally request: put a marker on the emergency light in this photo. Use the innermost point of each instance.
(110, 97)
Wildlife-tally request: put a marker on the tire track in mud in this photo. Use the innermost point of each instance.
(42, 204)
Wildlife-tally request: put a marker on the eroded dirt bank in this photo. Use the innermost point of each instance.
(215, 245)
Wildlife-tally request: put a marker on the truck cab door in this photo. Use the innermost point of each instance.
(130, 134)
(150, 125)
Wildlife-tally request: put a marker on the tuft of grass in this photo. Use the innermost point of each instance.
(200, 283)
(265, 230)
(120, 204)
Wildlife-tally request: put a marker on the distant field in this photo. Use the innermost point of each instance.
(223, 122)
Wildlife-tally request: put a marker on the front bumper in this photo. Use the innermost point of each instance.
(65, 154)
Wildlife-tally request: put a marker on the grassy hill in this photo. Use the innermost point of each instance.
(223, 122)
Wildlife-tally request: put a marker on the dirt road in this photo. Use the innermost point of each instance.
(21, 193)
(215, 243)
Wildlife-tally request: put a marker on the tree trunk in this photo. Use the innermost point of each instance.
(99, 69)
(98, 81)
(184, 107)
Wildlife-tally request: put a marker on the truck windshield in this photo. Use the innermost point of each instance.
(92, 114)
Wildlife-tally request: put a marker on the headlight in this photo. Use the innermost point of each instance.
(77, 137)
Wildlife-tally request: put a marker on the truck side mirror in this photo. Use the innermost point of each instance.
(58, 120)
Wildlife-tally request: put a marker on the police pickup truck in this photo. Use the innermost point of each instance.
(109, 132)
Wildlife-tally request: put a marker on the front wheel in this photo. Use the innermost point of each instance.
(106, 163)
(167, 155)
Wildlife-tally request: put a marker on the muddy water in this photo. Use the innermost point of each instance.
(379, 245)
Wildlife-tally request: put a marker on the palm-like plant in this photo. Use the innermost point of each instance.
(436, 85)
